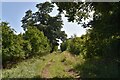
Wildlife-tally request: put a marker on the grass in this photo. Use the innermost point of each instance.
(62, 65)
(98, 68)
(35, 67)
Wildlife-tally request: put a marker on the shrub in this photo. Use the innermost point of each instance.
(36, 43)
(17, 47)
(74, 45)
(63, 46)
(74, 49)
(11, 44)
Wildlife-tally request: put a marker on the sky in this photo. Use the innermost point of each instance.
(13, 12)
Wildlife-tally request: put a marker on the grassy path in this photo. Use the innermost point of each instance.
(50, 66)
(45, 71)
(60, 66)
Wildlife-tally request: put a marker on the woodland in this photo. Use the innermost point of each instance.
(35, 53)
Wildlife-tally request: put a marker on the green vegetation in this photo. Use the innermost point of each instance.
(11, 45)
(38, 43)
(103, 38)
(98, 68)
(49, 25)
(31, 43)
(34, 54)
(75, 45)
(62, 65)
(51, 65)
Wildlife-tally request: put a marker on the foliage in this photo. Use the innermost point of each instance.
(97, 68)
(63, 46)
(22, 46)
(75, 45)
(75, 12)
(51, 26)
(100, 46)
(27, 48)
(102, 40)
(35, 42)
(11, 44)
(104, 35)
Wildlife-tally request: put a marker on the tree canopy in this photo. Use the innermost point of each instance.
(105, 31)
(51, 26)
(22, 46)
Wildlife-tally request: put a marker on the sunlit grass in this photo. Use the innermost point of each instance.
(35, 66)
(58, 65)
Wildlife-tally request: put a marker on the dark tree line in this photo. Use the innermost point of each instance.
(101, 43)
(105, 27)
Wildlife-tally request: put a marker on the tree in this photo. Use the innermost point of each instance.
(22, 46)
(35, 42)
(75, 12)
(103, 41)
(11, 45)
(51, 26)
(105, 30)
(75, 45)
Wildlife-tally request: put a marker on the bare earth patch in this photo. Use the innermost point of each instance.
(45, 71)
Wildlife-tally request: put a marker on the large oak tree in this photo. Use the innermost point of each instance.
(51, 26)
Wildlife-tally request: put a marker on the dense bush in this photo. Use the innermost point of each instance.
(104, 47)
(74, 49)
(74, 45)
(35, 42)
(63, 46)
(21, 46)
(11, 44)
